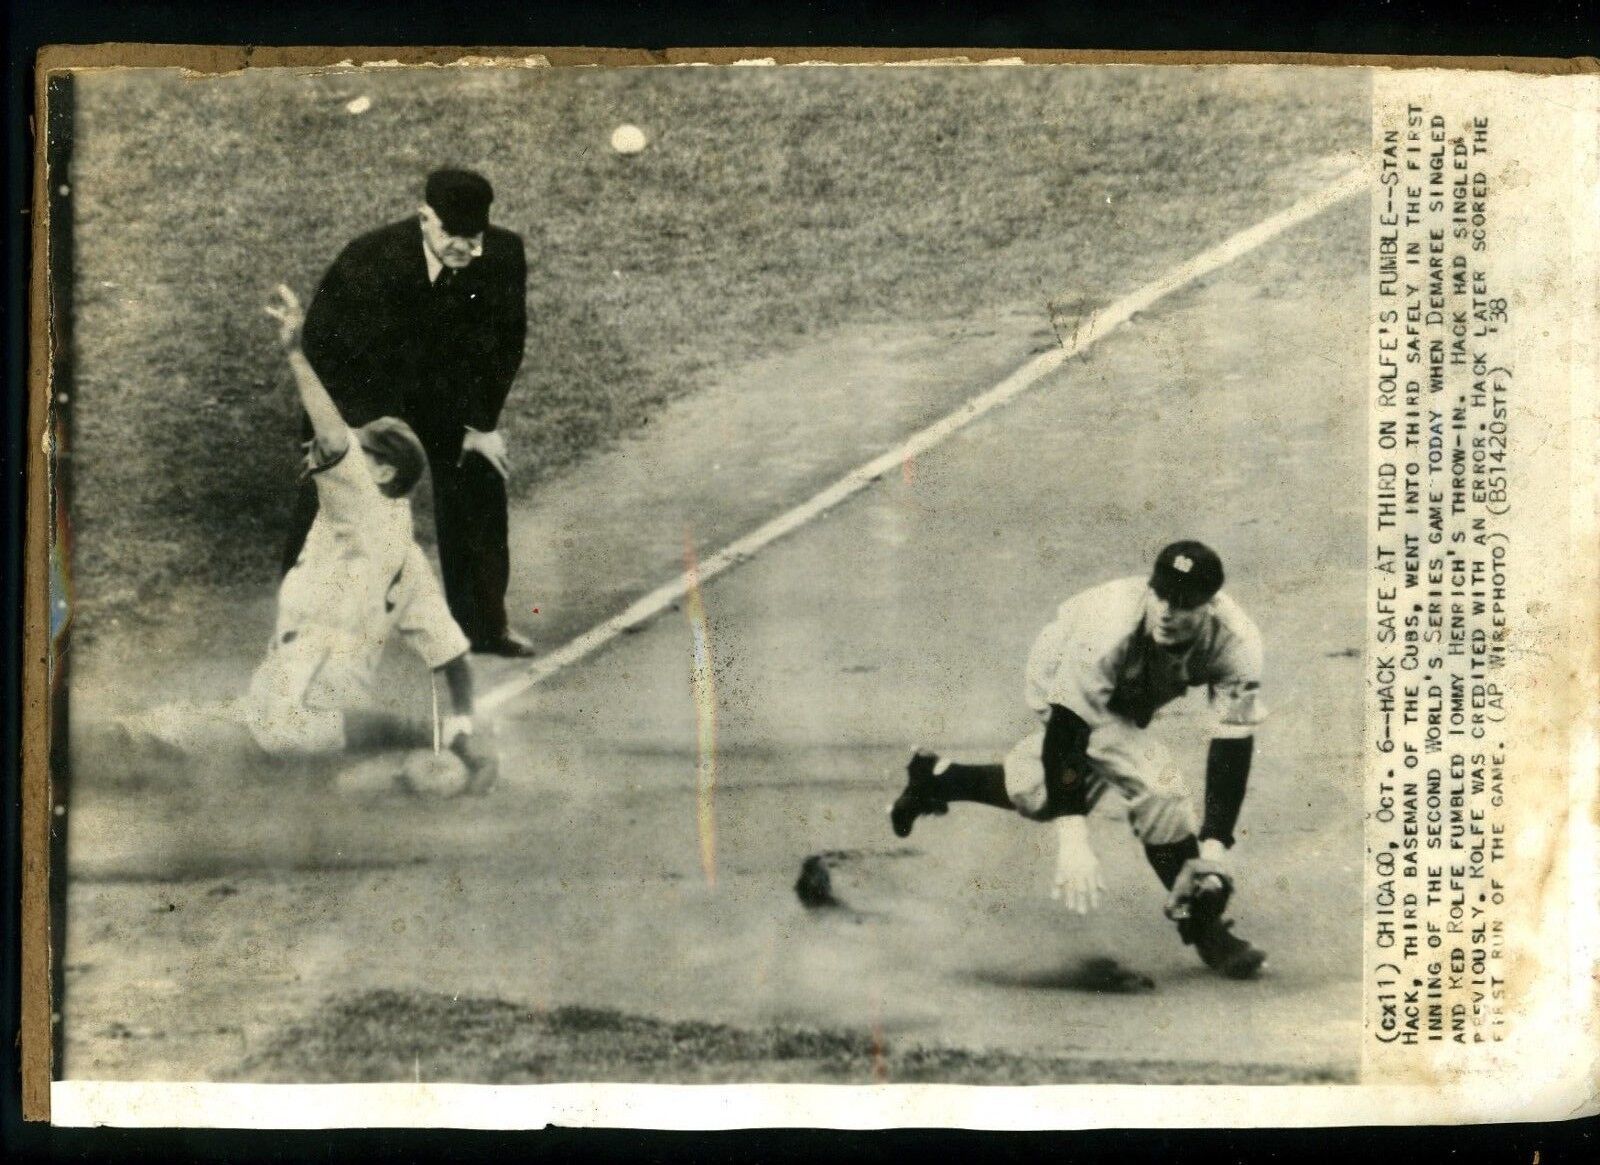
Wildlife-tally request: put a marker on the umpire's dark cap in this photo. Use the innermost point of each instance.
(461, 199)
(1187, 574)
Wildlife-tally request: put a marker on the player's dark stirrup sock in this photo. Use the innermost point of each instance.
(1167, 860)
(374, 731)
(984, 784)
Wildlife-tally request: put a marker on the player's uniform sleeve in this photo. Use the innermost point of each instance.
(1235, 679)
(1085, 680)
(1078, 655)
(421, 615)
(346, 494)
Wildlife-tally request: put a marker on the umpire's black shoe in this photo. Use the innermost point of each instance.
(920, 797)
(1220, 949)
(509, 644)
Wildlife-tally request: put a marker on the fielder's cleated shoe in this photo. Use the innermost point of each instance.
(1223, 951)
(920, 797)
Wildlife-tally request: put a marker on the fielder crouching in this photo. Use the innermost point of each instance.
(359, 579)
(1114, 655)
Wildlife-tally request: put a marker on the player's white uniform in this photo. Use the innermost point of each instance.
(360, 578)
(1094, 660)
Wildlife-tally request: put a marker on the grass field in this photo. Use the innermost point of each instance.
(385, 1036)
(772, 206)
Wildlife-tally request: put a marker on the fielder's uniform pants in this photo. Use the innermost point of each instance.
(1124, 761)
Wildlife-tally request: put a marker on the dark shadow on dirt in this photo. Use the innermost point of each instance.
(1098, 974)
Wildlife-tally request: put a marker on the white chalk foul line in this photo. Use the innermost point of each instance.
(1100, 324)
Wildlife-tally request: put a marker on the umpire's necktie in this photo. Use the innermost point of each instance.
(446, 277)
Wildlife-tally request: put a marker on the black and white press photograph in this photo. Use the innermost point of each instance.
(831, 574)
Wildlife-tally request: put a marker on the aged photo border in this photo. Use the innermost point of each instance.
(36, 815)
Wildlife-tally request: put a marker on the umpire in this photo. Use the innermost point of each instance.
(426, 320)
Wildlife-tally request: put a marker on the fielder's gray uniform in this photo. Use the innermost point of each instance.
(1094, 661)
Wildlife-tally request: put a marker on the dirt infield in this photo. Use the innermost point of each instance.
(215, 931)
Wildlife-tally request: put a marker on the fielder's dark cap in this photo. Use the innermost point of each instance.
(461, 199)
(391, 440)
(1187, 574)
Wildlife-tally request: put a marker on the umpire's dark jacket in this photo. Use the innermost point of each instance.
(387, 342)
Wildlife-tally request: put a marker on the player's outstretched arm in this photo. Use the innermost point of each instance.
(476, 748)
(1237, 688)
(1227, 774)
(1205, 883)
(332, 434)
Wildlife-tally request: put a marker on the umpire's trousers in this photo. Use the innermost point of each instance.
(469, 520)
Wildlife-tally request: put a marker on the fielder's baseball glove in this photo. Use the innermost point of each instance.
(1200, 893)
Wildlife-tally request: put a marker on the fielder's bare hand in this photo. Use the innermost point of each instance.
(491, 447)
(1079, 883)
(285, 308)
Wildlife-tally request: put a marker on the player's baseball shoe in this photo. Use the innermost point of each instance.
(1220, 949)
(920, 797)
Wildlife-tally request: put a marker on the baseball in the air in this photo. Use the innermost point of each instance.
(628, 139)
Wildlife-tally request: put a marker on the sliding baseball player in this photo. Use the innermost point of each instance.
(360, 579)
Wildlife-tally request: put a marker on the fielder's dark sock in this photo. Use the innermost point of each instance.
(374, 731)
(1167, 860)
(984, 784)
